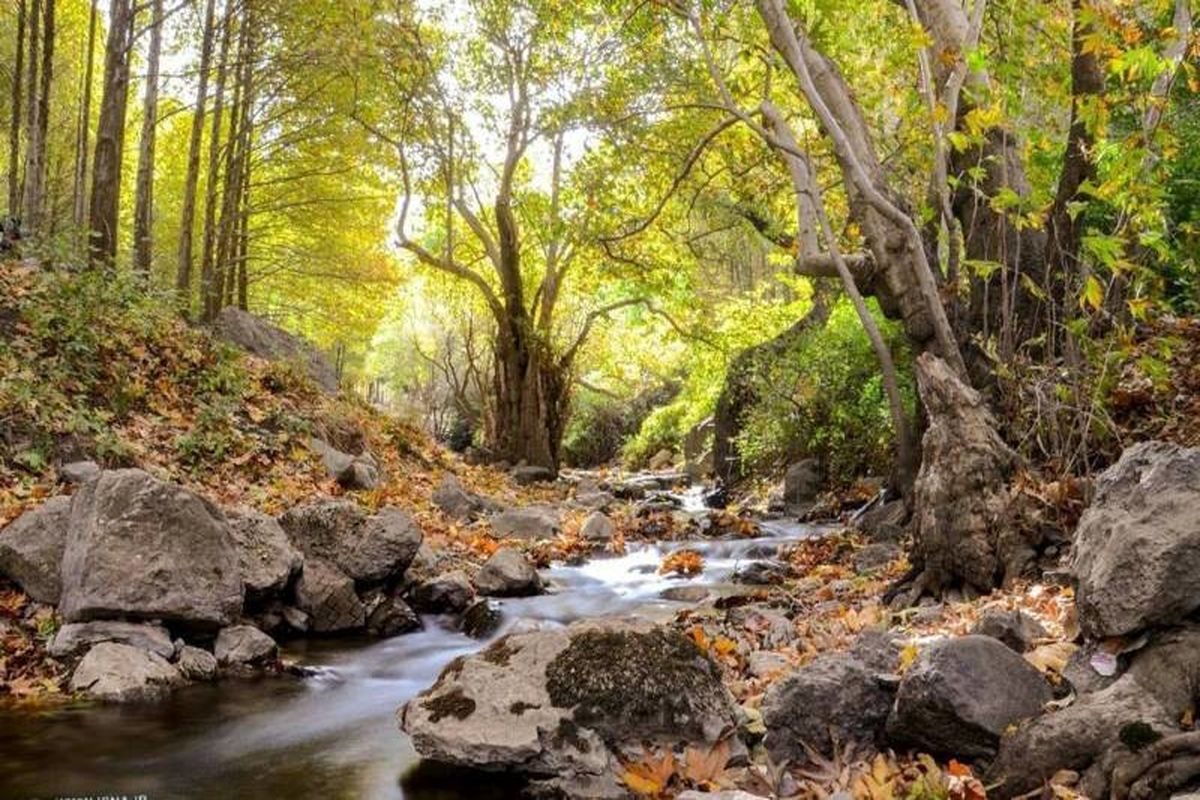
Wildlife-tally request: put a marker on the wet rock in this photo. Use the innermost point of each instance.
(244, 646)
(390, 616)
(327, 596)
(531, 522)
(685, 594)
(556, 705)
(353, 472)
(76, 637)
(31, 549)
(118, 673)
(761, 573)
(960, 695)
(598, 528)
(196, 664)
(454, 499)
(367, 548)
(1015, 629)
(596, 499)
(876, 556)
(141, 548)
(267, 341)
(802, 482)
(448, 593)
(266, 558)
(834, 695)
(294, 618)
(527, 474)
(883, 522)
(78, 472)
(1137, 547)
(508, 573)
(482, 619)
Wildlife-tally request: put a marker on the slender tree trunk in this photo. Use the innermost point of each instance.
(234, 149)
(143, 207)
(110, 135)
(31, 191)
(83, 137)
(14, 130)
(207, 278)
(183, 274)
(243, 254)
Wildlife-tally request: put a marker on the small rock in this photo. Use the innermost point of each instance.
(244, 646)
(685, 594)
(482, 619)
(196, 664)
(327, 596)
(594, 499)
(119, 673)
(598, 527)
(531, 522)
(764, 663)
(296, 619)
(390, 616)
(78, 472)
(508, 573)
(451, 497)
(448, 593)
(31, 549)
(761, 573)
(961, 694)
(876, 556)
(76, 637)
(1016, 629)
(527, 474)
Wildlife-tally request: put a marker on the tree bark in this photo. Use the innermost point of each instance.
(14, 130)
(83, 135)
(235, 151)
(183, 272)
(208, 247)
(143, 207)
(110, 136)
(34, 199)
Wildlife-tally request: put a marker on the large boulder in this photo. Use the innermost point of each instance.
(244, 646)
(367, 548)
(529, 474)
(327, 596)
(508, 573)
(389, 616)
(531, 522)
(598, 527)
(454, 499)
(141, 548)
(268, 341)
(76, 637)
(802, 482)
(564, 706)
(961, 694)
(118, 673)
(834, 695)
(31, 549)
(448, 593)
(1137, 547)
(1016, 629)
(266, 557)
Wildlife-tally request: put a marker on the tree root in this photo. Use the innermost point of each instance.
(1169, 764)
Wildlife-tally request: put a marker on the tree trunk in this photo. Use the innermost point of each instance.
(14, 129)
(235, 151)
(143, 206)
(532, 395)
(110, 135)
(34, 200)
(83, 135)
(207, 256)
(183, 273)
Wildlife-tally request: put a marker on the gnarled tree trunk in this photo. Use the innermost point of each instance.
(532, 396)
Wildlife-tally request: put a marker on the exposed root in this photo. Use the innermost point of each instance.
(1168, 764)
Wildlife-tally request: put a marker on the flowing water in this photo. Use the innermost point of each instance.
(332, 735)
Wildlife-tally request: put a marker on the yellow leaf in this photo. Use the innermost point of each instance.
(1051, 657)
(1093, 293)
(907, 656)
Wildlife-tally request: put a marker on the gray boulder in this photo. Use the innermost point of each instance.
(350, 471)
(508, 573)
(196, 664)
(482, 619)
(76, 637)
(883, 522)
(598, 527)
(961, 694)
(1137, 547)
(327, 596)
(141, 548)
(528, 474)
(1016, 629)
(78, 472)
(268, 341)
(834, 694)
(244, 646)
(802, 482)
(531, 522)
(266, 557)
(876, 556)
(118, 673)
(448, 593)
(368, 549)
(390, 616)
(31, 549)
(454, 499)
(564, 706)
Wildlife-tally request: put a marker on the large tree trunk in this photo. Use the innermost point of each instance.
(110, 135)
(34, 200)
(143, 206)
(83, 134)
(183, 274)
(532, 396)
(14, 129)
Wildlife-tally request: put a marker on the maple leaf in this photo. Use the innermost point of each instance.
(650, 775)
(702, 768)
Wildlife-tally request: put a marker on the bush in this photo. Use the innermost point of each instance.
(600, 425)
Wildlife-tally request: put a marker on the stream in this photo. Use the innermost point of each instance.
(332, 735)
